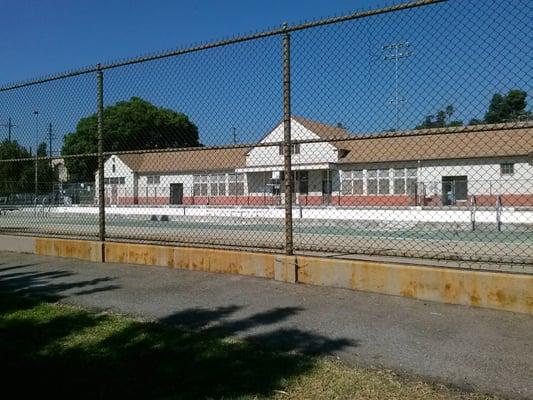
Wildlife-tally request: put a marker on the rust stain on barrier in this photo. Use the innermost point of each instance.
(412, 289)
(475, 299)
(502, 298)
(503, 291)
(81, 249)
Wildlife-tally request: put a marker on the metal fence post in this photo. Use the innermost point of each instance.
(287, 145)
(100, 113)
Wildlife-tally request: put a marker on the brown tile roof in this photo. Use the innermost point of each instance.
(187, 160)
(325, 131)
(500, 140)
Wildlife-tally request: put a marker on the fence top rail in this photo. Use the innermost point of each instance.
(205, 46)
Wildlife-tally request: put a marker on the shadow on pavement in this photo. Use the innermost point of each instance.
(68, 352)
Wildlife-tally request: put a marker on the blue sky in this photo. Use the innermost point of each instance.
(462, 52)
(56, 35)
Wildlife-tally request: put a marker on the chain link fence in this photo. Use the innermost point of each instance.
(402, 131)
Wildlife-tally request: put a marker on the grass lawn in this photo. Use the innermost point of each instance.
(54, 350)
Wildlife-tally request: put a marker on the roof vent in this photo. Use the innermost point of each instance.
(343, 152)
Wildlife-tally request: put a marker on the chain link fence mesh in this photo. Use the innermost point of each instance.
(404, 131)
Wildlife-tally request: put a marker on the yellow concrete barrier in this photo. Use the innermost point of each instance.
(192, 258)
(81, 249)
(501, 291)
(497, 290)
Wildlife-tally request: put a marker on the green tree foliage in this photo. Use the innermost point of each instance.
(19, 176)
(46, 175)
(128, 125)
(441, 119)
(507, 108)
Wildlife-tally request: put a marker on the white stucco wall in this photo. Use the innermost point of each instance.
(483, 178)
(163, 188)
(310, 153)
(121, 170)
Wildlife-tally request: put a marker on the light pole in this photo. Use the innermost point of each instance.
(36, 113)
(234, 131)
(396, 55)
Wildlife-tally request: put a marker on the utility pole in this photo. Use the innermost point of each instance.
(9, 126)
(36, 113)
(50, 138)
(395, 53)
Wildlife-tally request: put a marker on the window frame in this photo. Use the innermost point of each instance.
(295, 149)
(507, 169)
(152, 181)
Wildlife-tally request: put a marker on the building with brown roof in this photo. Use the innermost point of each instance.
(445, 166)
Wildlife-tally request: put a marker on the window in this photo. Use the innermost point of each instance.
(295, 149)
(200, 185)
(346, 182)
(236, 184)
(352, 182)
(115, 181)
(507, 169)
(372, 181)
(114, 168)
(358, 182)
(152, 180)
(399, 181)
(405, 181)
(218, 184)
(411, 181)
(383, 181)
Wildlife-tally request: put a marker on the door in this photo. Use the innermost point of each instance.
(176, 193)
(454, 188)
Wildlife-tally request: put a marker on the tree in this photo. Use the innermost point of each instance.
(128, 125)
(441, 119)
(46, 175)
(19, 176)
(507, 108)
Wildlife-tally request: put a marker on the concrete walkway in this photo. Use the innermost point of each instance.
(476, 349)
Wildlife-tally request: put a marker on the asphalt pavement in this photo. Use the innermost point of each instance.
(475, 349)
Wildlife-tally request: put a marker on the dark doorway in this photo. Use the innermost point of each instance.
(327, 188)
(454, 189)
(176, 193)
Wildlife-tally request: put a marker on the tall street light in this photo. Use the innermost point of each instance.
(396, 51)
(36, 113)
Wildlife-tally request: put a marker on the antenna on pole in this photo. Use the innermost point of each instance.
(234, 131)
(395, 52)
